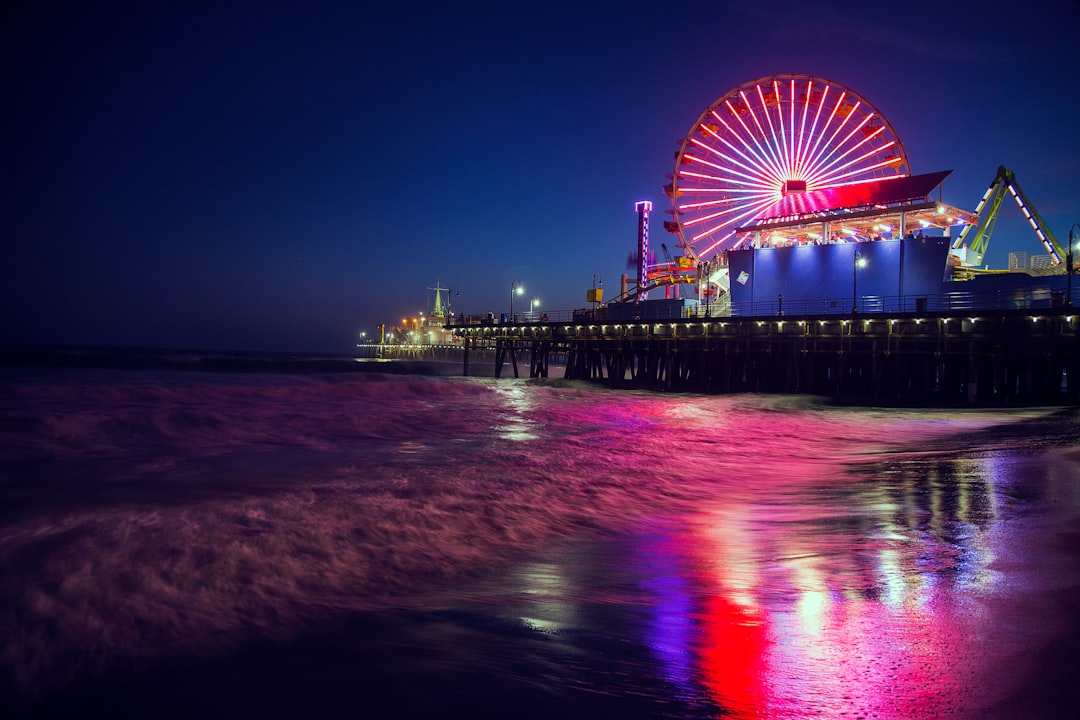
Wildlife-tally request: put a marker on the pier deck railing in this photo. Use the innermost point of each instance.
(959, 348)
(957, 301)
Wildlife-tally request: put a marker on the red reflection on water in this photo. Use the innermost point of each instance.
(733, 653)
(798, 619)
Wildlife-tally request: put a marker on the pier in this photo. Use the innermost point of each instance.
(1004, 357)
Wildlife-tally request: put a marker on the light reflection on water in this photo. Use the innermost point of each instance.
(771, 556)
(811, 613)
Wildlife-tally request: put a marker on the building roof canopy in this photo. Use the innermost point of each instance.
(875, 193)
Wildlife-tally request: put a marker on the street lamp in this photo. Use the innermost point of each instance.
(533, 304)
(456, 292)
(857, 261)
(1069, 267)
(515, 289)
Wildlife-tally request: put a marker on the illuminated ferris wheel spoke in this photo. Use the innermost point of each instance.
(731, 234)
(813, 128)
(729, 168)
(774, 136)
(818, 149)
(864, 170)
(732, 181)
(757, 159)
(828, 169)
(777, 148)
(769, 148)
(717, 152)
(830, 146)
(762, 153)
(783, 141)
(715, 203)
(788, 138)
(737, 211)
(802, 128)
(730, 216)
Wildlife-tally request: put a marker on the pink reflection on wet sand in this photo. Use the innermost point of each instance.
(892, 604)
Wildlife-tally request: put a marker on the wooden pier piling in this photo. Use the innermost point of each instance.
(1007, 357)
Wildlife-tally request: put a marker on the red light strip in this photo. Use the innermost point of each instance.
(847, 137)
(765, 161)
(819, 136)
(769, 146)
(734, 181)
(798, 174)
(712, 203)
(827, 170)
(869, 168)
(764, 168)
(813, 128)
(835, 173)
(772, 130)
(826, 148)
(783, 135)
(705, 145)
(750, 207)
(733, 221)
(791, 139)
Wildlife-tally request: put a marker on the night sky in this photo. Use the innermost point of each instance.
(279, 176)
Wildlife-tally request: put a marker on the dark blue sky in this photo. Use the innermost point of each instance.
(281, 176)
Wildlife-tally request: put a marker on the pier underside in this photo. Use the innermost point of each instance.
(1009, 357)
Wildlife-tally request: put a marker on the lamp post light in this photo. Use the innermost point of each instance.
(455, 292)
(596, 280)
(533, 304)
(515, 289)
(857, 261)
(1069, 267)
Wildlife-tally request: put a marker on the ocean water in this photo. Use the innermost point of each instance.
(178, 543)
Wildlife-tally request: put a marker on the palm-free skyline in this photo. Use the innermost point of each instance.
(283, 176)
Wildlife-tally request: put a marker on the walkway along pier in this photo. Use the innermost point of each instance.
(1004, 357)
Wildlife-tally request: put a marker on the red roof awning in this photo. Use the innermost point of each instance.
(888, 191)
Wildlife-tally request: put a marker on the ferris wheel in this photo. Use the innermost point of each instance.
(771, 137)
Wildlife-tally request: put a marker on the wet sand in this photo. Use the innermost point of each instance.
(561, 635)
(204, 545)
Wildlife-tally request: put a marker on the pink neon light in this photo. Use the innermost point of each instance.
(706, 146)
(753, 208)
(780, 122)
(863, 170)
(717, 215)
(802, 129)
(743, 165)
(827, 171)
(760, 155)
(758, 180)
(764, 136)
(772, 130)
(818, 149)
(831, 146)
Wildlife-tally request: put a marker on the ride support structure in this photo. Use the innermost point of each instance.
(643, 209)
(971, 245)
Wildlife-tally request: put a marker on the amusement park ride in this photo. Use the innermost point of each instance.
(794, 161)
(793, 193)
(971, 251)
